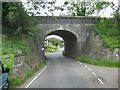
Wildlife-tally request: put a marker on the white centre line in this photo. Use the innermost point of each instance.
(85, 65)
(89, 69)
(36, 77)
(93, 73)
(100, 81)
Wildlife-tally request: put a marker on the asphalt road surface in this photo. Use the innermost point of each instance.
(63, 72)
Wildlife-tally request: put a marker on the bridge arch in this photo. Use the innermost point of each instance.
(78, 28)
(70, 41)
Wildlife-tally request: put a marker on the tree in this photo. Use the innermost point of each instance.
(16, 18)
(41, 7)
(55, 41)
(73, 7)
(79, 8)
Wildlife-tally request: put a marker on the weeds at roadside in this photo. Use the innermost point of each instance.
(97, 61)
(17, 81)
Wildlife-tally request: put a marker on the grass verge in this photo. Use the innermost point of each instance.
(97, 61)
(17, 81)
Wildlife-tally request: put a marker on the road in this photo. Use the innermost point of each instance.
(63, 72)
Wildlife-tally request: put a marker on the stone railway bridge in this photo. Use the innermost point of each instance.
(74, 31)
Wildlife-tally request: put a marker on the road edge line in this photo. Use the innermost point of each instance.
(36, 77)
(78, 62)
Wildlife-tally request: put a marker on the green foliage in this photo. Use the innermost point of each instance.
(117, 13)
(73, 7)
(100, 62)
(55, 41)
(8, 63)
(16, 80)
(43, 6)
(16, 21)
(81, 8)
(52, 44)
(63, 53)
(102, 5)
(9, 45)
(16, 26)
(50, 48)
(107, 28)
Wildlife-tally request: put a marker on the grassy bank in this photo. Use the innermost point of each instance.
(17, 26)
(97, 61)
(107, 28)
(17, 81)
(9, 48)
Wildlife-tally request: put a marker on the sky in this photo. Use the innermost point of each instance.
(103, 13)
(55, 36)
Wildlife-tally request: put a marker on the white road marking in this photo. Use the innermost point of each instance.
(78, 62)
(93, 73)
(36, 77)
(85, 65)
(89, 69)
(100, 81)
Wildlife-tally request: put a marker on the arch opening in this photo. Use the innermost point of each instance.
(70, 42)
(52, 43)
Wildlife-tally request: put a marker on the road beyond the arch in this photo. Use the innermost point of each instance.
(63, 72)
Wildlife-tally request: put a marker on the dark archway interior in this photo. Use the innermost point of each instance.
(70, 42)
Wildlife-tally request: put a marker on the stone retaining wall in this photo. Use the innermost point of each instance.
(95, 49)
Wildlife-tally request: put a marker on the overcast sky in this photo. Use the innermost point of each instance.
(103, 13)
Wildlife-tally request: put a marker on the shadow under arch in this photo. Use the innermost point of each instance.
(70, 42)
